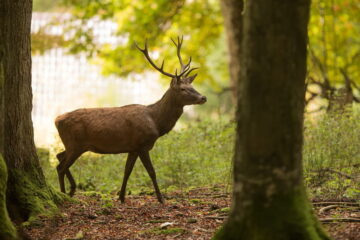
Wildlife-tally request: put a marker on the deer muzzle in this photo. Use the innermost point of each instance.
(203, 100)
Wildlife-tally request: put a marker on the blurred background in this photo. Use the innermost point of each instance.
(84, 56)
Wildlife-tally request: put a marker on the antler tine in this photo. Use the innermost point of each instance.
(147, 56)
(188, 72)
(178, 45)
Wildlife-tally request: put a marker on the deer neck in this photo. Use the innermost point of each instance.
(166, 112)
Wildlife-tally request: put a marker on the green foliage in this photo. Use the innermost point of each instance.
(334, 40)
(42, 41)
(201, 154)
(200, 23)
(46, 5)
(334, 53)
(332, 155)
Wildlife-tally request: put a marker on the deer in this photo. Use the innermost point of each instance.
(131, 129)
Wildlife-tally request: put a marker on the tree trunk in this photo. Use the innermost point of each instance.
(2, 13)
(27, 193)
(7, 229)
(232, 10)
(269, 199)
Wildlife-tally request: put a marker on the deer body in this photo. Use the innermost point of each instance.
(108, 130)
(118, 129)
(131, 129)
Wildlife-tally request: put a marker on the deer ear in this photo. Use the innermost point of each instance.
(191, 78)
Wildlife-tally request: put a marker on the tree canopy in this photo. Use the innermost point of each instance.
(334, 49)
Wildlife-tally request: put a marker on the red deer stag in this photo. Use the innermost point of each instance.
(131, 129)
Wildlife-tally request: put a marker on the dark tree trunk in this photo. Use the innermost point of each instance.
(2, 13)
(269, 199)
(27, 192)
(232, 10)
(7, 229)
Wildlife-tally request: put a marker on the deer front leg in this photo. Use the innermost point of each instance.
(71, 181)
(130, 162)
(145, 159)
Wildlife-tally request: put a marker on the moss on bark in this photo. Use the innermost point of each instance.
(29, 198)
(287, 217)
(269, 200)
(7, 229)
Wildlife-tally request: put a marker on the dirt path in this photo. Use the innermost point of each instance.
(196, 216)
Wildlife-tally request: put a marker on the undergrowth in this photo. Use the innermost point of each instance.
(201, 155)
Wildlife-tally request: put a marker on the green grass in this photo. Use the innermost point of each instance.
(332, 156)
(201, 155)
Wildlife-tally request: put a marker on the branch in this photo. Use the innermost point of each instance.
(216, 217)
(346, 79)
(321, 67)
(324, 209)
(312, 97)
(334, 171)
(352, 204)
(330, 220)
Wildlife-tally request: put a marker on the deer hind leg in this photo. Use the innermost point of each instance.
(71, 181)
(66, 159)
(130, 162)
(145, 159)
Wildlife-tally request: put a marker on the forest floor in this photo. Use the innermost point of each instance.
(195, 215)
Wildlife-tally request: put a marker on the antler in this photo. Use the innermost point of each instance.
(146, 54)
(185, 69)
(178, 45)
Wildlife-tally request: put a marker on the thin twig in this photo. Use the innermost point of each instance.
(216, 217)
(330, 220)
(324, 209)
(336, 203)
(334, 171)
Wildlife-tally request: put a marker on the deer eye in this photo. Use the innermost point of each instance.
(183, 89)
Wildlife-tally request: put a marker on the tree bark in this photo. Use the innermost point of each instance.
(269, 199)
(232, 13)
(2, 13)
(27, 193)
(7, 229)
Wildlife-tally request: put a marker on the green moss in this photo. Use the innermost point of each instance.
(195, 201)
(7, 229)
(224, 210)
(168, 231)
(34, 199)
(288, 216)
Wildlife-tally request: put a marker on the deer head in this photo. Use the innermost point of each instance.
(181, 84)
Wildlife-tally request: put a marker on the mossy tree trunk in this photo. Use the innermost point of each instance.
(7, 229)
(27, 193)
(269, 198)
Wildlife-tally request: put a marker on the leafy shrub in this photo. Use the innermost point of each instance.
(332, 155)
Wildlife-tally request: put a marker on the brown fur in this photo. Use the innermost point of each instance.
(131, 129)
